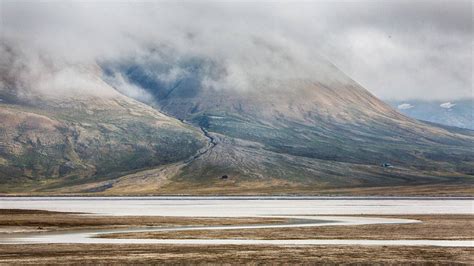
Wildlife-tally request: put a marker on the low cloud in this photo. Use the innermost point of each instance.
(397, 50)
(121, 84)
(405, 106)
(447, 105)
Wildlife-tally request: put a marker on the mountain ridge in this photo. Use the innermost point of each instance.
(284, 135)
(266, 118)
(57, 142)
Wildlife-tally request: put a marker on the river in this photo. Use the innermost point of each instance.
(313, 211)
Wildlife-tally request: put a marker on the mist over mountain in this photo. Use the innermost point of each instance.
(414, 45)
(136, 99)
(333, 125)
(60, 138)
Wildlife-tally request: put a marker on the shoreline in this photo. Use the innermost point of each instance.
(448, 190)
(226, 197)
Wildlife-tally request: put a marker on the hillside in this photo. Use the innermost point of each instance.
(304, 133)
(51, 142)
(281, 135)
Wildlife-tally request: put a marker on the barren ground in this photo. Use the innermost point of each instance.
(38, 220)
(433, 227)
(174, 254)
(439, 227)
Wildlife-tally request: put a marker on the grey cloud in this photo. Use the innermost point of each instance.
(396, 49)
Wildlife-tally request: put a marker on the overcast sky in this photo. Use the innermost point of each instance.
(396, 49)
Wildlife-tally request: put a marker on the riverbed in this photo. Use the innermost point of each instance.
(242, 206)
(308, 211)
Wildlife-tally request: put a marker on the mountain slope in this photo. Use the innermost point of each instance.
(280, 135)
(303, 132)
(50, 142)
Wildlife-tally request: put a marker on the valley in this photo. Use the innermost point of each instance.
(236, 132)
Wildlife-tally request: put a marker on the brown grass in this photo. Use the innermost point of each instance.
(434, 227)
(274, 188)
(439, 227)
(65, 221)
(280, 187)
(229, 254)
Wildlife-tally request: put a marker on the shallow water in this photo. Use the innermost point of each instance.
(90, 236)
(241, 206)
(313, 211)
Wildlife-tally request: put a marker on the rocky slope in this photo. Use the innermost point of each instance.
(283, 135)
(305, 133)
(50, 142)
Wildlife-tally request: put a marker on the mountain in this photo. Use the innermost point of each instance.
(455, 113)
(52, 141)
(194, 134)
(300, 134)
